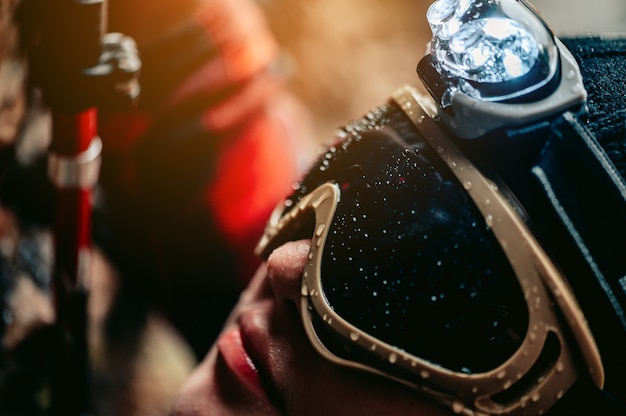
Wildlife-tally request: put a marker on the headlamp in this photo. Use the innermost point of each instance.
(491, 50)
(494, 63)
(454, 265)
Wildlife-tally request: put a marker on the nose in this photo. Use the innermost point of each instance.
(284, 270)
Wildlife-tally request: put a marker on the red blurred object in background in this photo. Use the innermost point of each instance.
(192, 175)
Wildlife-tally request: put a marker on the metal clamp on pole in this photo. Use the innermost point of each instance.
(79, 171)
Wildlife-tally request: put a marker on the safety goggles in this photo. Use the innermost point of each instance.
(424, 270)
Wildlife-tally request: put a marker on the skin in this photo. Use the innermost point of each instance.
(12, 75)
(263, 363)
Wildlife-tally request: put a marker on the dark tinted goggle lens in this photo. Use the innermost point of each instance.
(409, 259)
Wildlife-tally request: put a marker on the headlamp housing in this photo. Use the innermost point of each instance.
(495, 63)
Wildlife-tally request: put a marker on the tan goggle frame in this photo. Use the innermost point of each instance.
(544, 287)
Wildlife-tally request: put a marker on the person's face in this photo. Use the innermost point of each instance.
(263, 363)
(12, 74)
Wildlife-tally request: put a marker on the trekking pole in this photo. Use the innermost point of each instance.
(79, 69)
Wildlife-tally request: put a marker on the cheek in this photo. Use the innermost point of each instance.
(324, 388)
(311, 385)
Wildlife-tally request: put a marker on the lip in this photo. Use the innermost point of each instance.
(267, 357)
(233, 353)
(248, 352)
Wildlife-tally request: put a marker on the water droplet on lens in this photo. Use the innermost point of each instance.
(560, 367)
(489, 220)
(524, 402)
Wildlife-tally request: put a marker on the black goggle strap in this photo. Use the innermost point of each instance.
(581, 175)
(539, 279)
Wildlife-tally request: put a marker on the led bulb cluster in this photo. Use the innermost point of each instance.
(488, 42)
